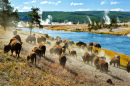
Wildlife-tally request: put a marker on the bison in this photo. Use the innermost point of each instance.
(16, 37)
(38, 51)
(91, 43)
(43, 48)
(114, 61)
(32, 56)
(128, 66)
(80, 43)
(72, 52)
(95, 51)
(41, 39)
(51, 38)
(95, 60)
(97, 45)
(31, 38)
(62, 59)
(88, 57)
(57, 49)
(15, 45)
(102, 66)
(89, 48)
(58, 38)
(15, 32)
(117, 56)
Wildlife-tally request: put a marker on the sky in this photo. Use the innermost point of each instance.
(71, 5)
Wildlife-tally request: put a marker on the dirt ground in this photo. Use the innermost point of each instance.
(119, 76)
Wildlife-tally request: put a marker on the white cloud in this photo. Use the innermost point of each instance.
(76, 3)
(17, 7)
(33, 1)
(83, 10)
(117, 9)
(114, 2)
(46, 2)
(102, 2)
(26, 2)
(57, 2)
(20, 10)
(27, 8)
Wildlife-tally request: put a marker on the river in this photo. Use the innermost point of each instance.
(119, 44)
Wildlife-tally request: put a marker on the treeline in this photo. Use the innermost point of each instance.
(78, 16)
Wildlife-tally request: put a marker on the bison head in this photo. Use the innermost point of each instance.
(7, 48)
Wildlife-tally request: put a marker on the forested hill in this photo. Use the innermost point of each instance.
(81, 16)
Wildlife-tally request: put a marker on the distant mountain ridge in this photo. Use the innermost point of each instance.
(78, 16)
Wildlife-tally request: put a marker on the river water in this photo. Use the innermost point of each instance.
(119, 44)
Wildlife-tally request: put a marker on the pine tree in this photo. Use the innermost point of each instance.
(6, 14)
(35, 18)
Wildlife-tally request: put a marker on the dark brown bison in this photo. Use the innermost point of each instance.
(72, 52)
(15, 32)
(91, 43)
(80, 43)
(95, 51)
(57, 49)
(15, 45)
(38, 51)
(115, 61)
(89, 48)
(97, 45)
(32, 56)
(41, 39)
(31, 38)
(95, 60)
(43, 48)
(17, 37)
(102, 66)
(62, 59)
(88, 57)
(128, 66)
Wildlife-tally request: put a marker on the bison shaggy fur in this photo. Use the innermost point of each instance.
(91, 43)
(72, 52)
(80, 43)
(31, 38)
(88, 57)
(41, 39)
(38, 51)
(97, 45)
(43, 48)
(95, 60)
(128, 66)
(62, 59)
(102, 66)
(15, 45)
(32, 56)
(114, 61)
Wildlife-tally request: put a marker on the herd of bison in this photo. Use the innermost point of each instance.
(59, 48)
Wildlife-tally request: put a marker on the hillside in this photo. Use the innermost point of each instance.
(19, 72)
(81, 16)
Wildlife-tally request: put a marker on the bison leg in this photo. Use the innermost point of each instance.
(12, 51)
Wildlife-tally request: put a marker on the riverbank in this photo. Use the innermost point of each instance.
(18, 72)
(122, 30)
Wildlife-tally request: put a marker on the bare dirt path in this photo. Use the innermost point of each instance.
(119, 76)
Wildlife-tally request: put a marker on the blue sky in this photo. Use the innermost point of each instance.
(72, 5)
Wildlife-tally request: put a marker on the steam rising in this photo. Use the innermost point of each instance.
(106, 17)
(89, 19)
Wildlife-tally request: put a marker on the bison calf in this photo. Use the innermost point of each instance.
(32, 56)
